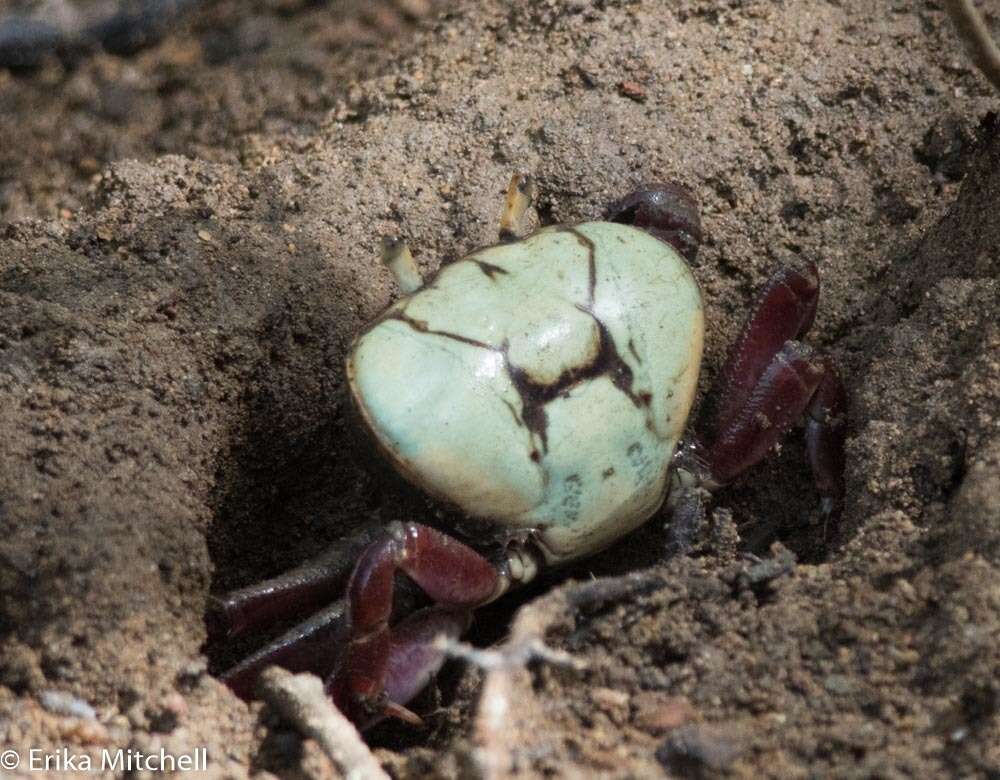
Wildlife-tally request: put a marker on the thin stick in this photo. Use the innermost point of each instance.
(301, 700)
(978, 41)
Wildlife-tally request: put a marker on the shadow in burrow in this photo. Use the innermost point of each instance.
(289, 483)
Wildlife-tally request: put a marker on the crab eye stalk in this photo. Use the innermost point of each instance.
(520, 194)
(396, 255)
(667, 210)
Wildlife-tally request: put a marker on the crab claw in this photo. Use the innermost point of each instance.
(413, 658)
(669, 211)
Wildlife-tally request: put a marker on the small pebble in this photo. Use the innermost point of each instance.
(83, 732)
(689, 750)
(62, 703)
(172, 709)
(906, 590)
(195, 668)
(905, 658)
(175, 703)
(633, 90)
(137, 717)
(612, 703)
(839, 684)
(657, 713)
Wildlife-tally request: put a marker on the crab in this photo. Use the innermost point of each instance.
(540, 388)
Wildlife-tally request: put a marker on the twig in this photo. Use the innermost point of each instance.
(509, 656)
(300, 699)
(978, 41)
(595, 594)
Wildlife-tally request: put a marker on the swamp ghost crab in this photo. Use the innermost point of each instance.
(541, 388)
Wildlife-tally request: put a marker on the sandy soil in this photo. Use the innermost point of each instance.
(187, 249)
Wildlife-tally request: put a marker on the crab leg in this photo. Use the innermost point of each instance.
(296, 592)
(664, 209)
(414, 657)
(312, 645)
(687, 518)
(826, 430)
(455, 576)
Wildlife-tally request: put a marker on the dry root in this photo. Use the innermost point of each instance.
(492, 756)
(509, 656)
(301, 700)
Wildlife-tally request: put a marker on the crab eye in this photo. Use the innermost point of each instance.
(668, 211)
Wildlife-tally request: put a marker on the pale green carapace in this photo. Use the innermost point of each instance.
(541, 384)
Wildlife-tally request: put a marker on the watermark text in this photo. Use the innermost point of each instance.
(108, 760)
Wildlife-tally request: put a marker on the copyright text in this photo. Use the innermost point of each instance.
(109, 760)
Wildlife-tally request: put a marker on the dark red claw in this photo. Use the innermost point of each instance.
(779, 398)
(784, 311)
(378, 661)
(415, 659)
(667, 210)
(446, 570)
(412, 661)
(373, 667)
(359, 680)
(369, 591)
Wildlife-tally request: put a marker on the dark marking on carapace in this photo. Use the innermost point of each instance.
(492, 271)
(535, 395)
(533, 400)
(513, 411)
(422, 327)
(631, 349)
(608, 472)
(587, 244)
